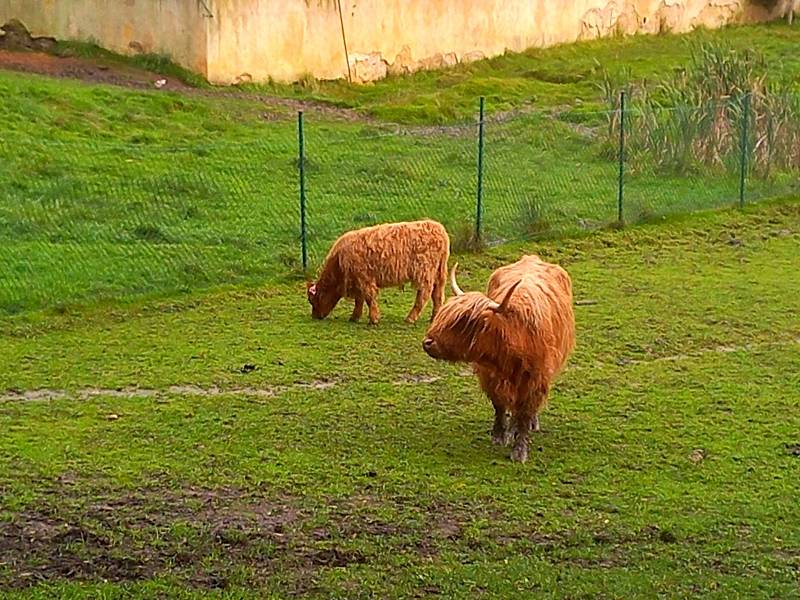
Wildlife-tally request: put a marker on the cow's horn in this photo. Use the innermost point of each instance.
(500, 308)
(456, 290)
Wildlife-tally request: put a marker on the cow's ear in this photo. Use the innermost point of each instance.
(311, 287)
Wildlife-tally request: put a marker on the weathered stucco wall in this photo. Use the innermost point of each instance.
(242, 40)
(173, 27)
(257, 39)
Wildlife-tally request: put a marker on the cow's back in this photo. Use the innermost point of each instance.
(540, 308)
(394, 253)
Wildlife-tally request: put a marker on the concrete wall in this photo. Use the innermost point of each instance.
(242, 40)
(173, 27)
(257, 39)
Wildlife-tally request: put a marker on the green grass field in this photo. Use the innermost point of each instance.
(139, 458)
(110, 193)
(175, 424)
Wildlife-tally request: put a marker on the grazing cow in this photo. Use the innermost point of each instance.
(517, 337)
(361, 262)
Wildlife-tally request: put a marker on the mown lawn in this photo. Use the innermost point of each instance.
(224, 444)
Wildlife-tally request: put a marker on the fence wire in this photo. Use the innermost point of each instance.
(83, 220)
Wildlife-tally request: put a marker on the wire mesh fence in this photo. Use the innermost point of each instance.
(89, 219)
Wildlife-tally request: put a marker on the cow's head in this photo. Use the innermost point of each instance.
(321, 299)
(456, 330)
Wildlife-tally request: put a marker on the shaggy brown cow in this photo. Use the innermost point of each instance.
(517, 337)
(781, 8)
(361, 262)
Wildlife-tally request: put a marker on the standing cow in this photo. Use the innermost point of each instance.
(518, 337)
(361, 262)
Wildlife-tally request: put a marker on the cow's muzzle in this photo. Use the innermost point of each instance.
(430, 347)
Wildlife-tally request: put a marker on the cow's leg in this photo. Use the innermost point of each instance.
(423, 294)
(437, 297)
(512, 428)
(371, 298)
(492, 387)
(531, 398)
(522, 421)
(500, 431)
(358, 309)
(539, 400)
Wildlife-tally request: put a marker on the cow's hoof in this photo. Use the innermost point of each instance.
(499, 440)
(519, 454)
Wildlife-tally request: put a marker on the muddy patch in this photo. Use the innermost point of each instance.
(200, 536)
(138, 536)
(225, 537)
(89, 70)
(110, 72)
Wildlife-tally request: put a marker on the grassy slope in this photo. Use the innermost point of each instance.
(564, 75)
(154, 63)
(111, 193)
(551, 77)
(138, 187)
(385, 484)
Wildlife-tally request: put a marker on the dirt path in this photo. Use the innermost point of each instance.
(103, 71)
(271, 391)
(90, 70)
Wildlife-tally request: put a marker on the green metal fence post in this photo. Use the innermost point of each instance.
(302, 167)
(479, 209)
(743, 162)
(621, 182)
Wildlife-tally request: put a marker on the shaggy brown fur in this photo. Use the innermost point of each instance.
(362, 261)
(781, 8)
(518, 338)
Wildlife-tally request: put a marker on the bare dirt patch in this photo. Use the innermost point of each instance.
(196, 535)
(202, 537)
(85, 69)
(104, 71)
(137, 536)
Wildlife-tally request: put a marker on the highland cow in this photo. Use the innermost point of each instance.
(363, 261)
(781, 8)
(518, 337)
